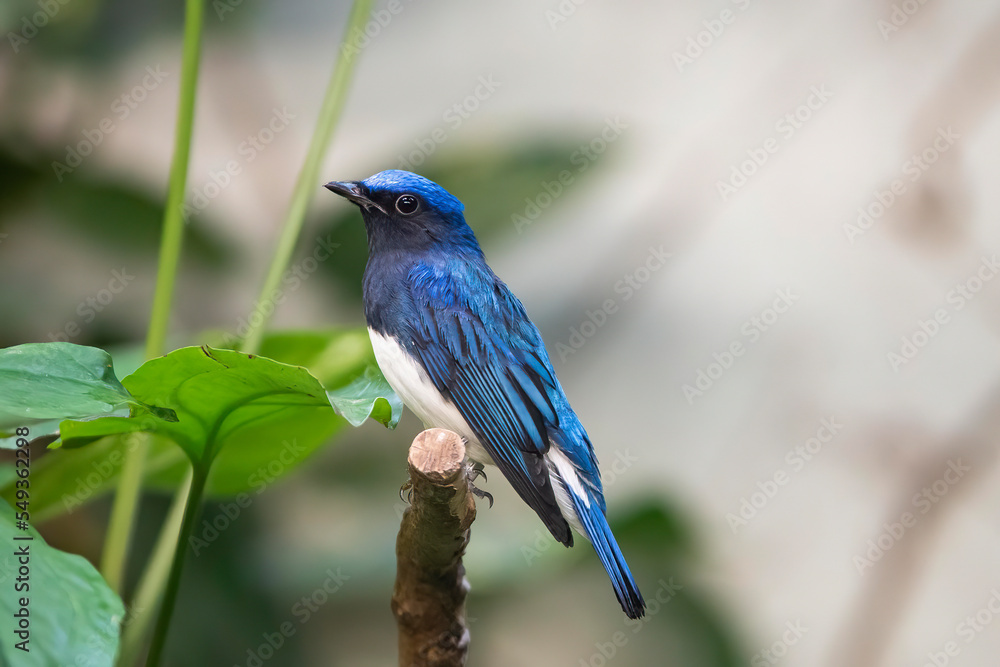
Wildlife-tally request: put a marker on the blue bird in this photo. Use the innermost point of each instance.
(459, 349)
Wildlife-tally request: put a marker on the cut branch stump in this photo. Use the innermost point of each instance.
(428, 599)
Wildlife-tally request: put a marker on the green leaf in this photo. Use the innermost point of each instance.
(73, 616)
(344, 362)
(66, 478)
(221, 398)
(368, 396)
(8, 474)
(44, 381)
(47, 428)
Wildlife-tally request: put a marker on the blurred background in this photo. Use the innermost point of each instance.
(757, 238)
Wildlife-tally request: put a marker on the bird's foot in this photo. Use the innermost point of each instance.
(474, 472)
(408, 488)
(479, 493)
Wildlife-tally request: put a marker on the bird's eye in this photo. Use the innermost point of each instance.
(407, 204)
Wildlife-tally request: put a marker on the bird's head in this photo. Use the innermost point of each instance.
(402, 210)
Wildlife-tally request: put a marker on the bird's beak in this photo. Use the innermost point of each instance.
(354, 192)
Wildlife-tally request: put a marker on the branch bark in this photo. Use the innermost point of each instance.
(428, 599)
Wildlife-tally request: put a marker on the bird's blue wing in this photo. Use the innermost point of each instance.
(480, 350)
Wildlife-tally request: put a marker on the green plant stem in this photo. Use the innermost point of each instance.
(173, 220)
(192, 507)
(116, 541)
(154, 579)
(305, 186)
(119, 534)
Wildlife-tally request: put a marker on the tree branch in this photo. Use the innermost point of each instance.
(428, 600)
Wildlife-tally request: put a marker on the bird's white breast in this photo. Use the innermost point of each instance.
(418, 393)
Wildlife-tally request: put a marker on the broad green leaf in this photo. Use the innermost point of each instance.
(221, 398)
(73, 616)
(257, 462)
(368, 396)
(346, 366)
(41, 382)
(74, 434)
(71, 476)
(40, 429)
(8, 474)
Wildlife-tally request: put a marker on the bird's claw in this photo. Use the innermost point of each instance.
(474, 472)
(479, 493)
(408, 488)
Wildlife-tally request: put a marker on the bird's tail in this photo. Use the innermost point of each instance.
(595, 524)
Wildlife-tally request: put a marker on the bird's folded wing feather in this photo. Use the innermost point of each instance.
(480, 350)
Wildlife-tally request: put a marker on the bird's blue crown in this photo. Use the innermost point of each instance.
(399, 181)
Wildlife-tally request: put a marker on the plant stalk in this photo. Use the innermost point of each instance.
(116, 542)
(154, 578)
(192, 507)
(330, 111)
(305, 186)
(119, 536)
